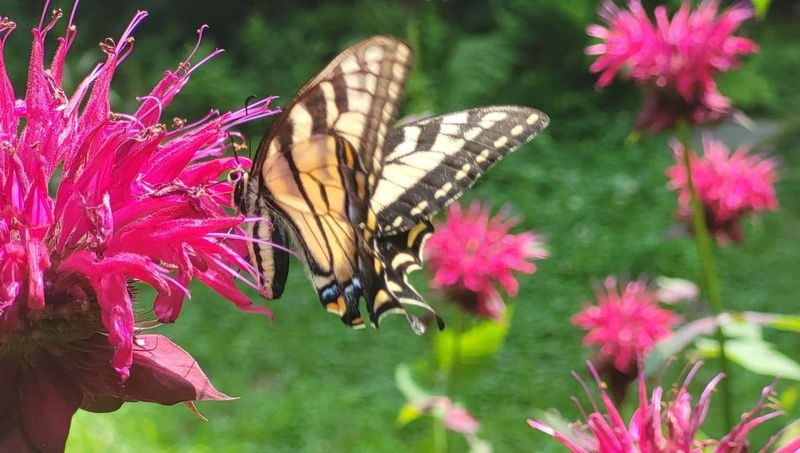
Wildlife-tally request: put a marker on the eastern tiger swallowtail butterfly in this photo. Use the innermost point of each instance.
(355, 193)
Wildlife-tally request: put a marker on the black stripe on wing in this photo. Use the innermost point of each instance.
(432, 162)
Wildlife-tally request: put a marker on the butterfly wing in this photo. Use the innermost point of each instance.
(354, 97)
(433, 161)
(396, 256)
(429, 164)
(318, 189)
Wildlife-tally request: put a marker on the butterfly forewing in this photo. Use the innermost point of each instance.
(431, 162)
(355, 97)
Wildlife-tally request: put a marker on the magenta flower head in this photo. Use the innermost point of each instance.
(472, 252)
(92, 203)
(729, 185)
(657, 426)
(674, 61)
(624, 325)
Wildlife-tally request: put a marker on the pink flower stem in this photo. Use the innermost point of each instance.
(709, 272)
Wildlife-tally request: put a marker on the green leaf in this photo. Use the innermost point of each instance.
(788, 398)
(754, 354)
(790, 323)
(741, 329)
(475, 345)
(667, 348)
(407, 386)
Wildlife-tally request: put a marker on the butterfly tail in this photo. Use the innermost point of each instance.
(396, 257)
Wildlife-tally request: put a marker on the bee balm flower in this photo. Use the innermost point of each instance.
(674, 60)
(624, 325)
(471, 252)
(660, 426)
(729, 185)
(135, 202)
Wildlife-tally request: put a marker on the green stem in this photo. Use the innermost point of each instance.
(449, 379)
(439, 436)
(709, 272)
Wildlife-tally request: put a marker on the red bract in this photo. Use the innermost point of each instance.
(624, 325)
(471, 252)
(729, 185)
(136, 202)
(674, 60)
(661, 427)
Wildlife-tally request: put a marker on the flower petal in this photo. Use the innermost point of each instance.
(164, 373)
(48, 400)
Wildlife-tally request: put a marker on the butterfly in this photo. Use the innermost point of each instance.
(355, 193)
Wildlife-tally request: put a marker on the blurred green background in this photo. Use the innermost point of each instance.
(307, 383)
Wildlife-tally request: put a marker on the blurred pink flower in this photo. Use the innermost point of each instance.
(674, 60)
(624, 325)
(135, 202)
(729, 185)
(454, 417)
(471, 252)
(660, 427)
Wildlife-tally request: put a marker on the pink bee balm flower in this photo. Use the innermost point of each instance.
(471, 252)
(136, 202)
(674, 60)
(729, 185)
(661, 427)
(624, 325)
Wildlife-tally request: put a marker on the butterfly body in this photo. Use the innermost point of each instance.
(354, 192)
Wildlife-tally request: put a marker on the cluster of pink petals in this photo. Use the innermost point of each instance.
(624, 325)
(674, 60)
(91, 202)
(729, 185)
(472, 252)
(663, 427)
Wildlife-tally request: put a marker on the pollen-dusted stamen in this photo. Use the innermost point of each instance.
(55, 15)
(210, 116)
(108, 46)
(6, 27)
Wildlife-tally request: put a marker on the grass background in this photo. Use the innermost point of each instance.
(308, 384)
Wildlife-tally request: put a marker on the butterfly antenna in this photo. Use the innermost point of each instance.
(246, 105)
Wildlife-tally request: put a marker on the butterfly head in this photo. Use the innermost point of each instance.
(239, 179)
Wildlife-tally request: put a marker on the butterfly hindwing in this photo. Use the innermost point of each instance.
(269, 248)
(431, 162)
(397, 256)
